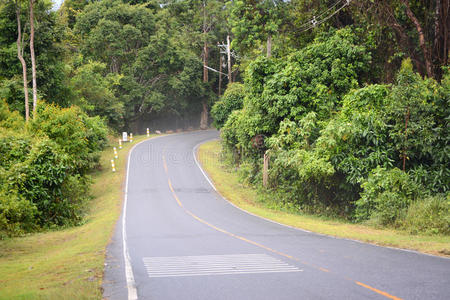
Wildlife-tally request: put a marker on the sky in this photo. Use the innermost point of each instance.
(57, 4)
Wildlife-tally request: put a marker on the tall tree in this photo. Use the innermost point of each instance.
(255, 22)
(421, 29)
(33, 58)
(22, 60)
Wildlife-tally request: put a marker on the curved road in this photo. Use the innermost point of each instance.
(179, 239)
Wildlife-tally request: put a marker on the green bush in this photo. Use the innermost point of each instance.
(14, 147)
(46, 178)
(79, 136)
(43, 167)
(10, 119)
(39, 179)
(232, 99)
(17, 215)
(428, 216)
(386, 195)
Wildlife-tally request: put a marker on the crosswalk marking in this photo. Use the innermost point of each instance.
(204, 265)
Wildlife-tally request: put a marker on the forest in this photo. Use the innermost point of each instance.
(348, 100)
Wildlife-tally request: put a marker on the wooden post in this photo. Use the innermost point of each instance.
(266, 170)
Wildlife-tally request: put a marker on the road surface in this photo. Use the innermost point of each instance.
(179, 239)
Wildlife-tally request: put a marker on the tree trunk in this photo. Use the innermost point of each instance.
(437, 27)
(422, 41)
(269, 45)
(22, 61)
(33, 59)
(441, 36)
(205, 62)
(266, 170)
(446, 31)
(204, 117)
(407, 115)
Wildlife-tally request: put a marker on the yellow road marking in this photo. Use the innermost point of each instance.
(240, 237)
(377, 291)
(175, 195)
(387, 295)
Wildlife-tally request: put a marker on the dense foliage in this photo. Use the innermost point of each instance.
(43, 170)
(364, 153)
(317, 85)
(232, 99)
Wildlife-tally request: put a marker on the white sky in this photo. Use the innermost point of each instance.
(57, 4)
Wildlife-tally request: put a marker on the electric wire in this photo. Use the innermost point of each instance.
(308, 24)
(315, 23)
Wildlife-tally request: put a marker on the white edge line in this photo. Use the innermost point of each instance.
(131, 284)
(195, 152)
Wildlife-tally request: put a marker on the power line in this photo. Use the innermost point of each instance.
(307, 24)
(315, 21)
(214, 70)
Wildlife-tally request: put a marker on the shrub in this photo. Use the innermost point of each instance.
(47, 179)
(42, 169)
(14, 147)
(429, 216)
(9, 119)
(17, 215)
(39, 178)
(231, 100)
(78, 135)
(386, 195)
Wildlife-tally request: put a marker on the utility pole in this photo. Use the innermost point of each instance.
(204, 114)
(220, 73)
(225, 49)
(229, 59)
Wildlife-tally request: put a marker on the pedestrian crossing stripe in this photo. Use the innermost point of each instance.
(206, 265)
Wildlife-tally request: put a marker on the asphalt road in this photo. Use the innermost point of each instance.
(184, 241)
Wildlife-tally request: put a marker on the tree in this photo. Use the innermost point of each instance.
(22, 60)
(420, 29)
(255, 21)
(33, 58)
(95, 93)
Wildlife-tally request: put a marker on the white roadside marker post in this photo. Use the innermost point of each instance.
(113, 166)
(115, 153)
(120, 144)
(148, 132)
(131, 137)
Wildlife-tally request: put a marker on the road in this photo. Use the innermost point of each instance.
(179, 239)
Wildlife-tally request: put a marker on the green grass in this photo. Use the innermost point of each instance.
(68, 264)
(227, 183)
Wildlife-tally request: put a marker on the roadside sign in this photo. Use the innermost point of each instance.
(124, 137)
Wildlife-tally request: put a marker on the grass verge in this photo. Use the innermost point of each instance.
(227, 183)
(68, 263)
